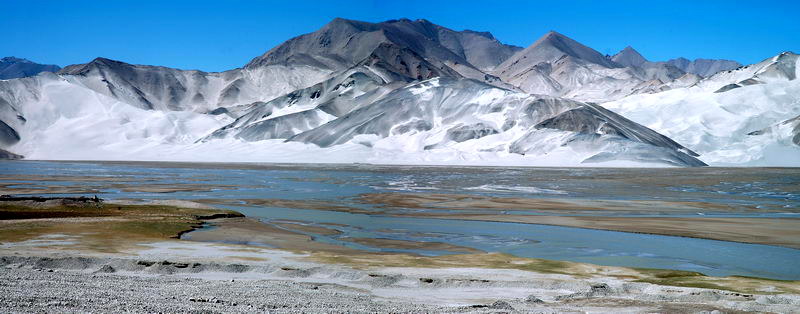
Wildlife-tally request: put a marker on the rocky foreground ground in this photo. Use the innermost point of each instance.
(36, 291)
(112, 285)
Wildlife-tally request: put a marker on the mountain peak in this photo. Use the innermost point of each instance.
(343, 23)
(343, 43)
(99, 62)
(554, 45)
(629, 57)
(551, 36)
(107, 62)
(479, 33)
(423, 21)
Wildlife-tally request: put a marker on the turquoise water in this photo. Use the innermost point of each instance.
(773, 190)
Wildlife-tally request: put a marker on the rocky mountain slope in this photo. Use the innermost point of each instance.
(343, 43)
(704, 67)
(559, 66)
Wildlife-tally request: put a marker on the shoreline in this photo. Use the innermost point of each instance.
(305, 165)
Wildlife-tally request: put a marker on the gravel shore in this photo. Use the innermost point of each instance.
(91, 284)
(51, 291)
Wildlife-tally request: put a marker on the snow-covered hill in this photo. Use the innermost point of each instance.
(437, 121)
(746, 116)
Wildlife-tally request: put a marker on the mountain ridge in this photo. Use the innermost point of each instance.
(13, 67)
(399, 87)
(342, 43)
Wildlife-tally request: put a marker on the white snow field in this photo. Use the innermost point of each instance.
(751, 125)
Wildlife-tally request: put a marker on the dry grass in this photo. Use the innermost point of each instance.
(102, 227)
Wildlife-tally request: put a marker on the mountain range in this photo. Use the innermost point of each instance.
(413, 92)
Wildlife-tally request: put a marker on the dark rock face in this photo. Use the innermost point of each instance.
(6, 155)
(11, 68)
(463, 133)
(727, 88)
(8, 135)
(594, 119)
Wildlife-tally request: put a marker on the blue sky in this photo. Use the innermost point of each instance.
(221, 35)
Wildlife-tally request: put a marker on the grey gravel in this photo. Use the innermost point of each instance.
(73, 284)
(25, 290)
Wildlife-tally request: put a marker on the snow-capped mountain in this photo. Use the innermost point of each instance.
(743, 116)
(559, 66)
(11, 67)
(399, 91)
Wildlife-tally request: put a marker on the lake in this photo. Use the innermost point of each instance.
(341, 198)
